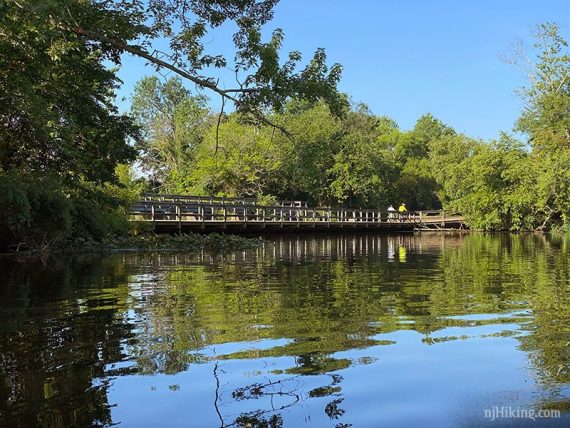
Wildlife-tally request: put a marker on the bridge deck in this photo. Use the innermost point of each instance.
(185, 213)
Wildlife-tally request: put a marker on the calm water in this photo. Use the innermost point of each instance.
(361, 331)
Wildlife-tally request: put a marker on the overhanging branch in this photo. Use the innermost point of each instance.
(140, 52)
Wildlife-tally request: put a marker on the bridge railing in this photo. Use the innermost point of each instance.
(185, 211)
(215, 200)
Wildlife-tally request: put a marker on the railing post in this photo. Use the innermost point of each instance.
(179, 216)
(152, 213)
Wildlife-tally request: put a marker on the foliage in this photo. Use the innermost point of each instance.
(363, 174)
(144, 27)
(309, 153)
(42, 214)
(546, 121)
(181, 242)
(505, 185)
(173, 123)
(56, 109)
(242, 161)
(61, 135)
(66, 153)
(489, 183)
(358, 159)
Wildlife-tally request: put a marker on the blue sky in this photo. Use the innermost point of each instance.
(409, 57)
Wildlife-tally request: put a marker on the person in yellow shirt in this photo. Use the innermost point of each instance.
(402, 210)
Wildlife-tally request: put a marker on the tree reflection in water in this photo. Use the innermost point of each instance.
(302, 312)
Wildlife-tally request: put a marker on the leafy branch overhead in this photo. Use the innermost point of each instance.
(263, 81)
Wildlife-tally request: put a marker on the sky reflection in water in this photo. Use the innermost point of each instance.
(368, 330)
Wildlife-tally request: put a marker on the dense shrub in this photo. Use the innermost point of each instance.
(40, 212)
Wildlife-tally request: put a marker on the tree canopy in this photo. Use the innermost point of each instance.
(137, 27)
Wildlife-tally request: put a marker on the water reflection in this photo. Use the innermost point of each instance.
(362, 330)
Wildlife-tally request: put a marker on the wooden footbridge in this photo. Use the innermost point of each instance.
(172, 213)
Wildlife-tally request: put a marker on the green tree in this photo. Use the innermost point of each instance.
(56, 110)
(490, 183)
(236, 160)
(363, 173)
(416, 184)
(546, 121)
(61, 136)
(309, 154)
(173, 124)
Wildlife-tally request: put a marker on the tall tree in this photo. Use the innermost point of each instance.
(546, 121)
(56, 107)
(417, 185)
(237, 159)
(309, 155)
(490, 183)
(173, 124)
(61, 136)
(363, 172)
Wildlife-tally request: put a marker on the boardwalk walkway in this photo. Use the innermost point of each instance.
(169, 213)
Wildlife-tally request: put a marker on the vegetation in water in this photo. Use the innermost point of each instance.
(181, 242)
(142, 242)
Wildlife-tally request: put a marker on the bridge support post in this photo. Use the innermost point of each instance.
(263, 216)
(179, 217)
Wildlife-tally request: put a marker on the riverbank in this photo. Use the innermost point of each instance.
(187, 242)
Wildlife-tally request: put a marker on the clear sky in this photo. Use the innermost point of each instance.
(409, 57)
